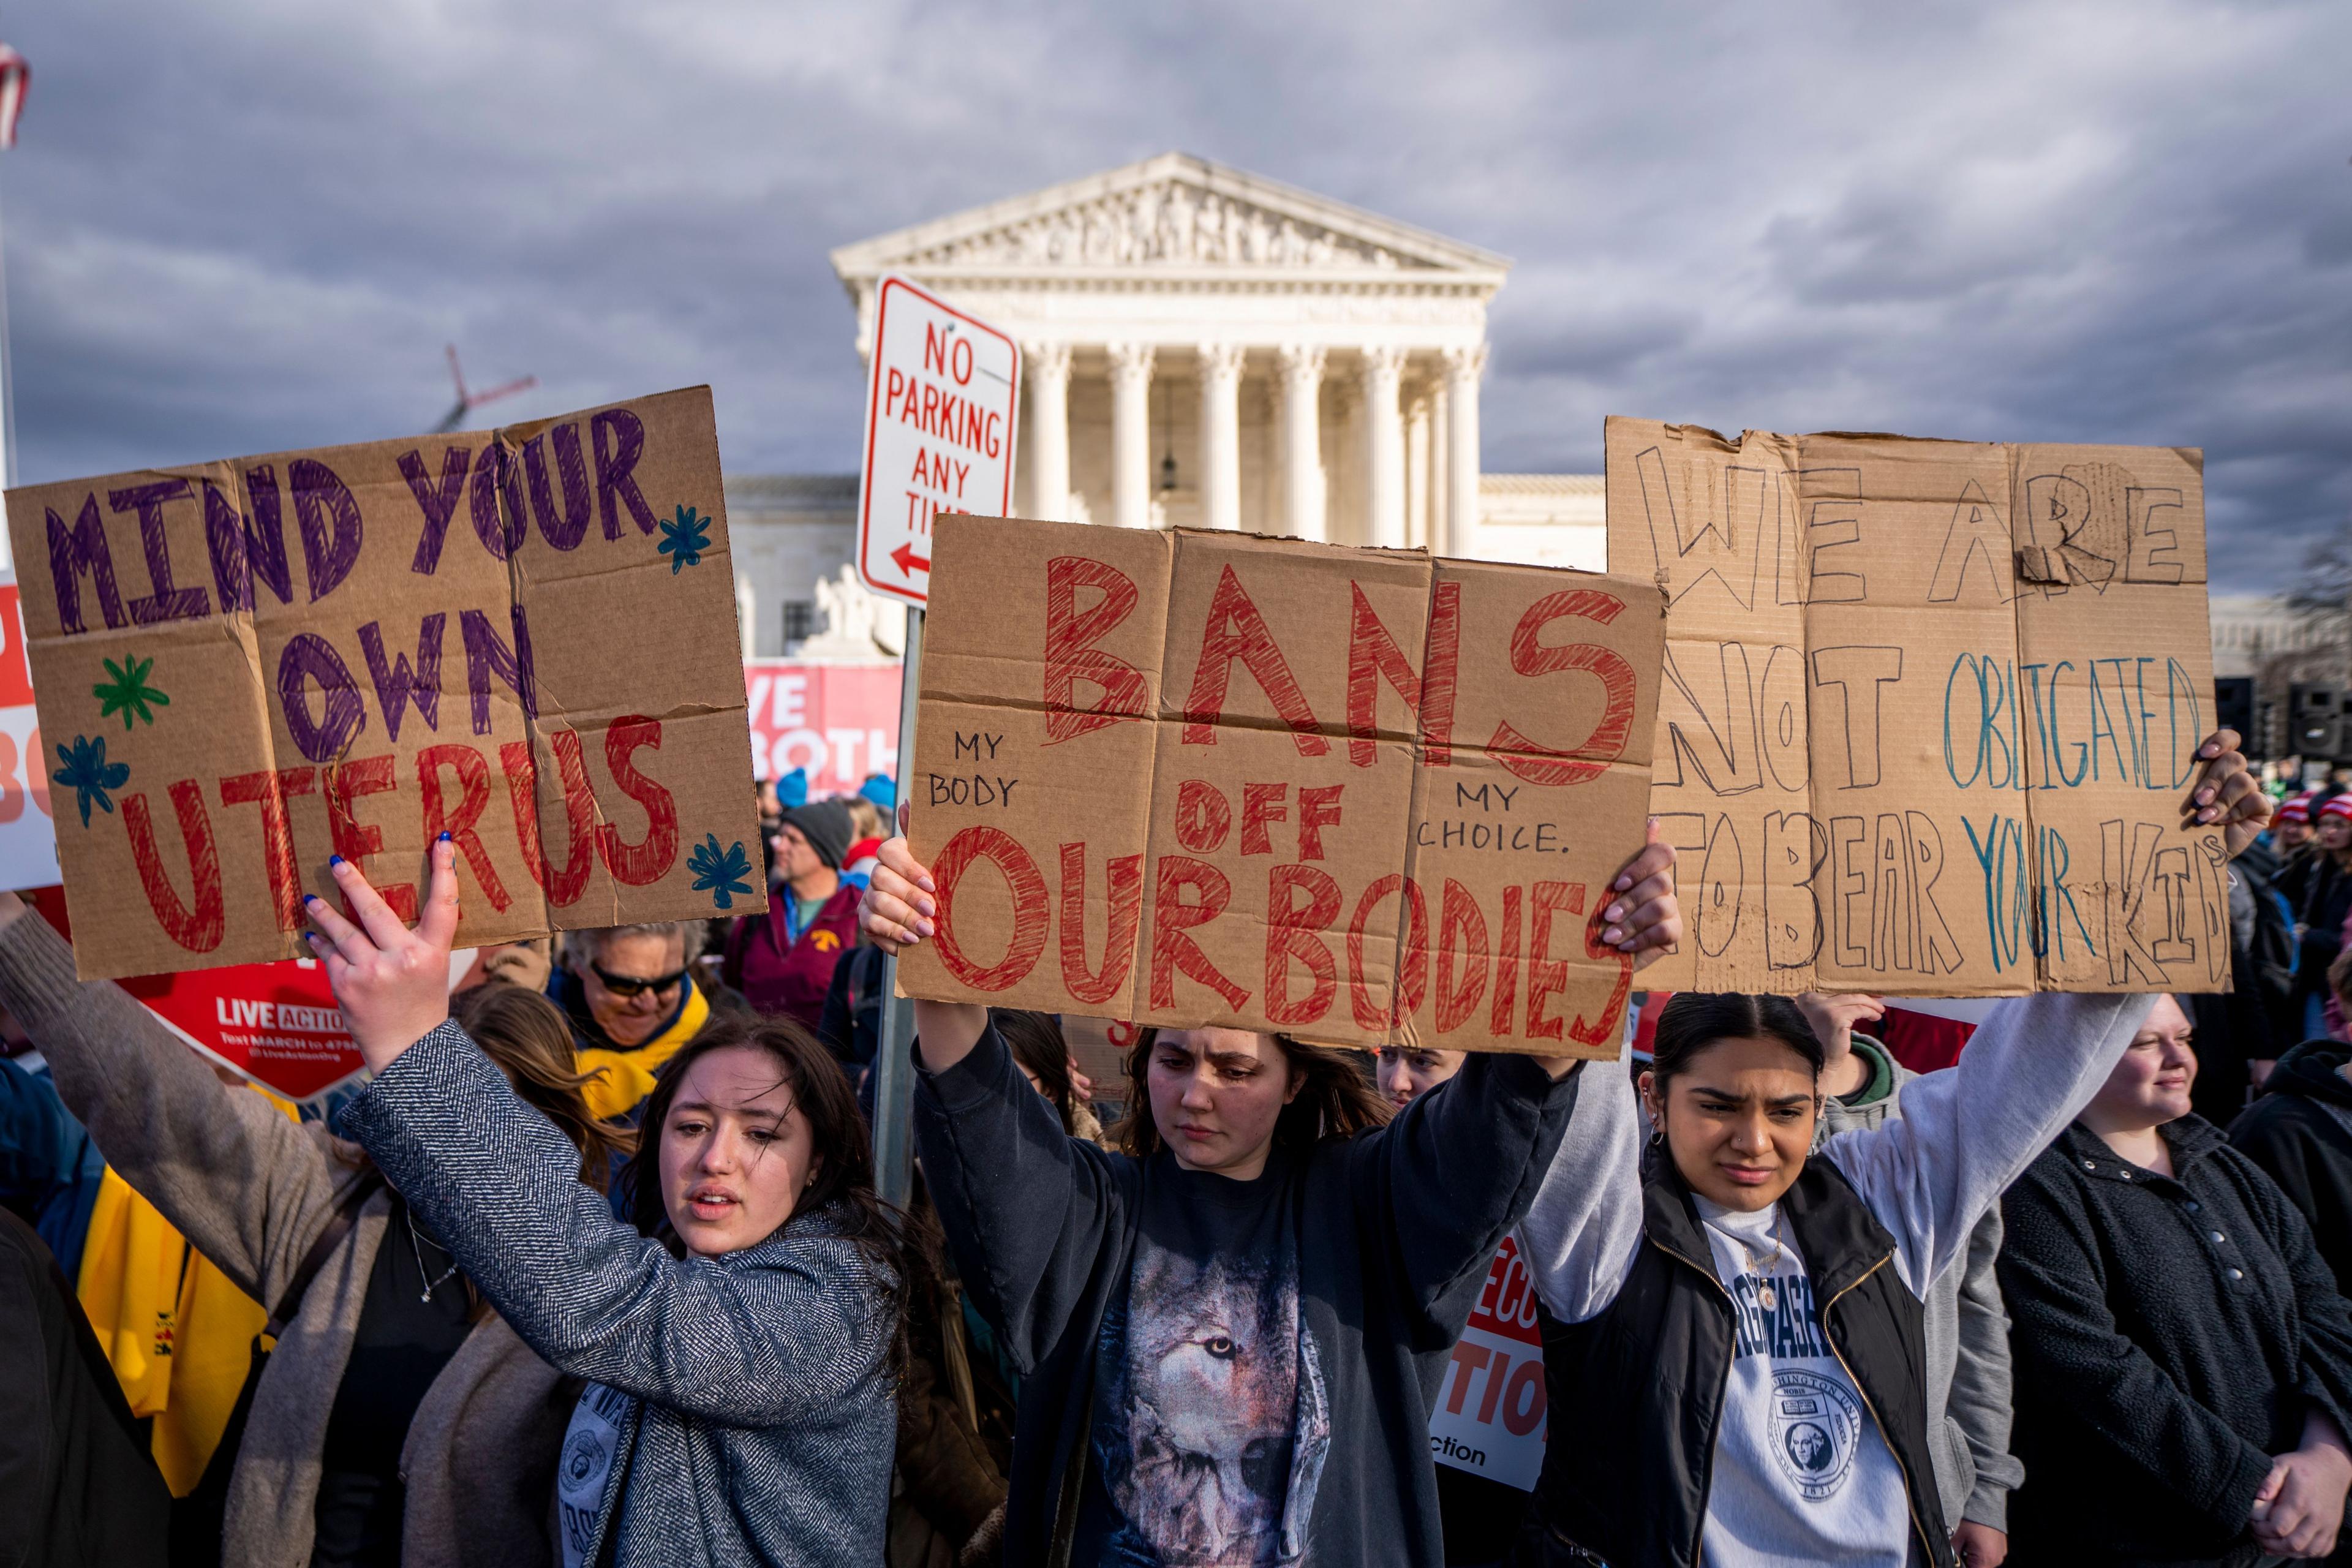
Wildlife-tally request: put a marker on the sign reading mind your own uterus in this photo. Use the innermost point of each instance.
(525, 639)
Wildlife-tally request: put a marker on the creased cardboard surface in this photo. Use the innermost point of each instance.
(1204, 778)
(1928, 711)
(525, 637)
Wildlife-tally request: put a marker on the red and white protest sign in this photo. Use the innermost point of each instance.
(1489, 1418)
(837, 722)
(943, 401)
(277, 1024)
(28, 842)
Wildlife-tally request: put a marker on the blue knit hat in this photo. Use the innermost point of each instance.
(792, 790)
(878, 789)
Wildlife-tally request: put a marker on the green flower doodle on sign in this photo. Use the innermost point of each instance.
(89, 774)
(128, 692)
(684, 539)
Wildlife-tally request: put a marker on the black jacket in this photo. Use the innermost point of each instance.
(77, 1485)
(1396, 1228)
(1647, 1377)
(2170, 1334)
(2326, 901)
(2294, 1137)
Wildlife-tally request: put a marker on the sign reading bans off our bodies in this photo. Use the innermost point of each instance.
(1929, 712)
(1205, 778)
(525, 639)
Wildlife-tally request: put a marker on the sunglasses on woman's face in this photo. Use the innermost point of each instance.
(627, 985)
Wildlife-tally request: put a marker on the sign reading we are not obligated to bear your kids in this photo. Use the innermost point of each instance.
(1930, 710)
(1198, 778)
(525, 639)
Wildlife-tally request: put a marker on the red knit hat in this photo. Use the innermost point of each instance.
(2295, 810)
(2339, 806)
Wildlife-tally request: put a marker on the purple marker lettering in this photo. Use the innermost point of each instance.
(319, 499)
(438, 504)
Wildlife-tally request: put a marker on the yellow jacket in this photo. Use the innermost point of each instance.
(624, 1077)
(178, 1334)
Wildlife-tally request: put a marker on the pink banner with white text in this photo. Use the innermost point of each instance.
(837, 722)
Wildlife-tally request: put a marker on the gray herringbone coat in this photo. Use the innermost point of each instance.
(759, 1412)
(252, 1191)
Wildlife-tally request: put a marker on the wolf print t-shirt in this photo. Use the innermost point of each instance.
(1801, 1473)
(1211, 1419)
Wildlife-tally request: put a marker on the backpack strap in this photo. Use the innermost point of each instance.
(338, 1227)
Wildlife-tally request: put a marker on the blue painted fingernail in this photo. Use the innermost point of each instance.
(334, 860)
(445, 837)
(309, 897)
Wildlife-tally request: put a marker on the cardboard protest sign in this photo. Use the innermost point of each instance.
(524, 637)
(1205, 778)
(1929, 712)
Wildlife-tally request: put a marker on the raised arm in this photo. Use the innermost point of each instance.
(1966, 1133)
(777, 1330)
(249, 1188)
(1028, 1209)
(1580, 1236)
(1440, 1186)
(1583, 1230)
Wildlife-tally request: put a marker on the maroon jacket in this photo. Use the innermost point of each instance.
(791, 978)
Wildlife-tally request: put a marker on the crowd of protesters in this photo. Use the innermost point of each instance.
(594, 1269)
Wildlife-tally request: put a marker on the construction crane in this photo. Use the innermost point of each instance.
(469, 401)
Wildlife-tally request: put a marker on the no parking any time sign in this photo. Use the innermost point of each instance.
(940, 409)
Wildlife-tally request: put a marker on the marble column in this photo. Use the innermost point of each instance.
(1221, 435)
(1381, 372)
(1417, 469)
(1302, 441)
(1436, 480)
(1130, 434)
(1463, 368)
(1047, 370)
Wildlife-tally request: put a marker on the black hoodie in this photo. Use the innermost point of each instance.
(2300, 1132)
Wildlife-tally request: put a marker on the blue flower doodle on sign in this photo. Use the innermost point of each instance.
(89, 774)
(722, 873)
(684, 539)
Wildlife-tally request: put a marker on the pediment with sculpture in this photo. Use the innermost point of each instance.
(1172, 211)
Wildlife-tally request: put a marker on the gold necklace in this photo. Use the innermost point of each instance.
(1767, 1297)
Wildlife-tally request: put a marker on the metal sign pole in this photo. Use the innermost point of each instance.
(894, 1066)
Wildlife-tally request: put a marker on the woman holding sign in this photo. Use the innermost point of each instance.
(1229, 1332)
(1741, 1326)
(740, 1342)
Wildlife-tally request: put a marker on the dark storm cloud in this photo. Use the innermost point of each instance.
(252, 224)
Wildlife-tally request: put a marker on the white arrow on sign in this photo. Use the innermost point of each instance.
(943, 410)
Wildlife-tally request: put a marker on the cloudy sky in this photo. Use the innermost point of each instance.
(252, 224)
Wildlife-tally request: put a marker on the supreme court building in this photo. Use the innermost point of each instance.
(1201, 347)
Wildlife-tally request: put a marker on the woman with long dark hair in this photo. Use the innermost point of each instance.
(1745, 1321)
(739, 1342)
(1229, 1330)
(398, 1419)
